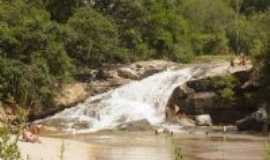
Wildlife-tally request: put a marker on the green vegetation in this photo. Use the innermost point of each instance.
(263, 79)
(45, 43)
(267, 152)
(92, 39)
(10, 131)
(8, 144)
(178, 154)
(32, 54)
(62, 151)
(177, 150)
(225, 88)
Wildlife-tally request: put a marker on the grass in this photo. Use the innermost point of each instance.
(178, 155)
(267, 152)
(177, 151)
(62, 151)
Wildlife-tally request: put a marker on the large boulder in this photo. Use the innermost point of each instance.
(186, 121)
(205, 96)
(68, 96)
(254, 121)
(204, 120)
(72, 94)
(127, 73)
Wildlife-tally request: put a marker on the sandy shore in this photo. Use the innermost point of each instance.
(50, 149)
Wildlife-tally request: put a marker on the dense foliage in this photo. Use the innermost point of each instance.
(32, 54)
(44, 43)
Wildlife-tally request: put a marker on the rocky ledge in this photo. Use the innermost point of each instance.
(101, 80)
(195, 103)
(224, 99)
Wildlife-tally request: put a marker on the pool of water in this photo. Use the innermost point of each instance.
(148, 146)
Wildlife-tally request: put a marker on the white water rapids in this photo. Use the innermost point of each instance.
(138, 100)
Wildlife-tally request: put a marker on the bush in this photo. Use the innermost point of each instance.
(208, 21)
(267, 152)
(92, 39)
(9, 149)
(61, 11)
(9, 136)
(28, 85)
(178, 154)
(150, 29)
(32, 55)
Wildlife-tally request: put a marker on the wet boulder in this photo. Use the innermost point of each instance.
(186, 121)
(203, 120)
(141, 125)
(255, 121)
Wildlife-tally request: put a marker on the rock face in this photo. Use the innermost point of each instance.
(110, 77)
(201, 100)
(99, 81)
(192, 99)
(127, 73)
(72, 93)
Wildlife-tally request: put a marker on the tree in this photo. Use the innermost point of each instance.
(150, 29)
(32, 54)
(92, 39)
(253, 6)
(209, 21)
(62, 10)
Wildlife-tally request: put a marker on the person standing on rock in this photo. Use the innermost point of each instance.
(232, 63)
(242, 59)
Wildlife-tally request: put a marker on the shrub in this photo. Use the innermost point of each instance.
(92, 39)
(9, 149)
(32, 55)
(9, 136)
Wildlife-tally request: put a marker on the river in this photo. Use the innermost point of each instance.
(146, 145)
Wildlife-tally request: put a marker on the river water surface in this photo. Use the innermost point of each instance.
(148, 146)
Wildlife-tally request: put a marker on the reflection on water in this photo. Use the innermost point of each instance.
(132, 146)
(223, 148)
(147, 146)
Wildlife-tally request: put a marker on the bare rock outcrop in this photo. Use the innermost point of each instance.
(257, 120)
(99, 81)
(203, 96)
(72, 93)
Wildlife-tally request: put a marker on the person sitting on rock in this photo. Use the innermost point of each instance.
(35, 128)
(30, 134)
(30, 137)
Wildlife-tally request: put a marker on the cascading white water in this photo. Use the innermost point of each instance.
(138, 100)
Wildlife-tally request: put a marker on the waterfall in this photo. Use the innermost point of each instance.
(138, 100)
